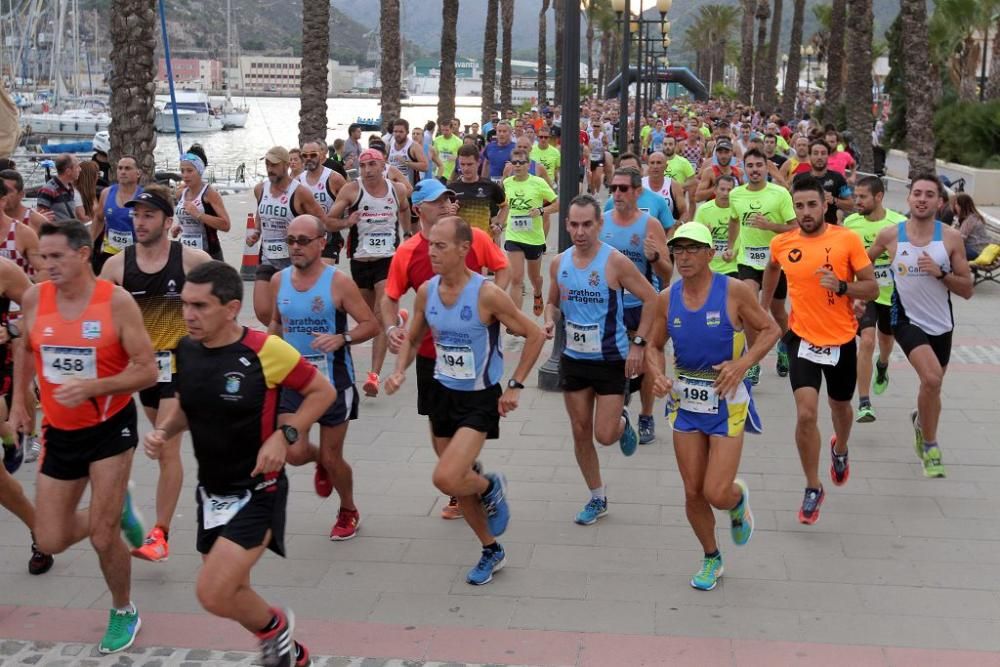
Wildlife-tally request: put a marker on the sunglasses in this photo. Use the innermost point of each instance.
(619, 188)
(518, 162)
(309, 155)
(301, 240)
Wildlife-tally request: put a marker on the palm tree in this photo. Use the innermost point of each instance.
(859, 78)
(835, 57)
(954, 30)
(133, 69)
(709, 37)
(507, 19)
(771, 93)
(762, 14)
(993, 82)
(315, 56)
(542, 85)
(490, 59)
(746, 52)
(389, 68)
(449, 48)
(557, 8)
(794, 66)
(919, 114)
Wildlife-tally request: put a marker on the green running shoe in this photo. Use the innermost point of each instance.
(881, 380)
(708, 576)
(753, 374)
(741, 518)
(866, 414)
(131, 522)
(932, 463)
(123, 626)
(918, 435)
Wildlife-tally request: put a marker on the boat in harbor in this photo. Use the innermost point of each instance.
(233, 115)
(369, 124)
(84, 121)
(194, 113)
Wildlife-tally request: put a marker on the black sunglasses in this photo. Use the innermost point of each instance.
(302, 240)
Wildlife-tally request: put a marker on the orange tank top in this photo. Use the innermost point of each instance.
(85, 348)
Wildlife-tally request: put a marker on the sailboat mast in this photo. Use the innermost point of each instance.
(229, 46)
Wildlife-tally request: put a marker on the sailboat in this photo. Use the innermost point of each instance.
(232, 115)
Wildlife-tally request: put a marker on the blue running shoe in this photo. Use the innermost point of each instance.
(131, 521)
(741, 518)
(495, 503)
(629, 440)
(708, 576)
(491, 562)
(13, 457)
(647, 429)
(592, 511)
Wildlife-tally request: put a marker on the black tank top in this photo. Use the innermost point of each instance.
(159, 296)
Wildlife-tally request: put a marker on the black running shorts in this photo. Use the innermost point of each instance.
(67, 454)
(478, 410)
(264, 511)
(841, 379)
(606, 378)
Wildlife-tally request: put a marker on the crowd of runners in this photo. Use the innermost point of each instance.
(722, 235)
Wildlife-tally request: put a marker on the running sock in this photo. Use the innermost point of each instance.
(598, 493)
(492, 548)
(864, 401)
(880, 370)
(928, 445)
(274, 623)
(127, 609)
(8, 440)
(782, 347)
(714, 554)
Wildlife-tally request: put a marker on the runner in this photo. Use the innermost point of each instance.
(377, 209)
(529, 199)
(483, 202)
(723, 163)
(587, 285)
(87, 339)
(278, 201)
(112, 229)
(405, 154)
(798, 161)
(928, 266)
(716, 214)
(314, 301)
(706, 315)
(228, 377)
(839, 194)
(497, 153)
(14, 203)
(324, 184)
(200, 214)
(464, 313)
(637, 236)
(597, 141)
(870, 219)
(444, 152)
(678, 169)
(534, 168)
(826, 267)
(153, 271)
(649, 202)
(672, 191)
(760, 211)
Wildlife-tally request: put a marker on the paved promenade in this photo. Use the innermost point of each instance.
(900, 570)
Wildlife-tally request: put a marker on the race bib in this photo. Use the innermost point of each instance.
(60, 364)
(721, 245)
(164, 366)
(192, 241)
(319, 362)
(583, 338)
(116, 240)
(455, 361)
(825, 356)
(217, 511)
(757, 256)
(697, 395)
(883, 275)
(275, 249)
(379, 243)
(520, 223)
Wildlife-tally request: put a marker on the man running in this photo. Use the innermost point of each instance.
(112, 229)
(324, 184)
(279, 200)
(706, 315)
(826, 268)
(483, 202)
(723, 163)
(92, 353)
(798, 161)
(152, 271)
(649, 202)
(228, 378)
(377, 208)
(678, 169)
(587, 284)
(405, 154)
(444, 152)
(838, 192)
(760, 211)
(14, 203)
(314, 301)
(928, 266)
(497, 153)
(870, 219)
(672, 191)
(464, 311)
(716, 214)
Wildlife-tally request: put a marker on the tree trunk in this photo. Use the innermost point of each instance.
(490, 59)
(542, 85)
(558, 10)
(449, 48)
(993, 82)
(919, 114)
(315, 58)
(835, 60)
(760, 65)
(771, 93)
(746, 51)
(507, 19)
(859, 78)
(389, 68)
(133, 89)
(794, 67)
(590, 54)
(719, 63)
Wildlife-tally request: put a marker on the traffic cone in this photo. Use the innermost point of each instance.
(251, 250)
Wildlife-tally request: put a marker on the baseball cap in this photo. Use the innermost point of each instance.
(724, 144)
(429, 189)
(693, 231)
(277, 155)
(370, 154)
(152, 200)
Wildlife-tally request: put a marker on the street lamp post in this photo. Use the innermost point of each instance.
(624, 11)
(663, 7)
(638, 25)
(808, 51)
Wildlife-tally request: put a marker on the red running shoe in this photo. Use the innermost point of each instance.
(348, 522)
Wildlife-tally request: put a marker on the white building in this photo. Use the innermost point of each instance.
(282, 74)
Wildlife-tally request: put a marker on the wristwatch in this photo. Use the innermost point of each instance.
(639, 340)
(514, 384)
(944, 274)
(347, 338)
(842, 288)
(290, 432)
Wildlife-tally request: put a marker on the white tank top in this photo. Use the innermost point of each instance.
(375, 235)
(924, 299)
(398, 157)
(275, 213)
(320, 191)
(664, 191)
(192, 232)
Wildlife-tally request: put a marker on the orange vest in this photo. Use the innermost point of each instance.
(85, 348)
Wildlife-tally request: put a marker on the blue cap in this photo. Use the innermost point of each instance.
(429, 189)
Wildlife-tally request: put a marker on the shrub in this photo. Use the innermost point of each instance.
(969, 133)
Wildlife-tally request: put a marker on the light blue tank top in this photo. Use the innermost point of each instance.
(591, 310)
(468, 351)
(312, 311)
(629, 242)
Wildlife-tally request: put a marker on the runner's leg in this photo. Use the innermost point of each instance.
(454, 476)
(931, 375)
(380, 343)
(807, 434)
(580, 408)
(108, 482)
(331, 457)
(223, 586)
(171, 479)
(691, 450)
(516, 259)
